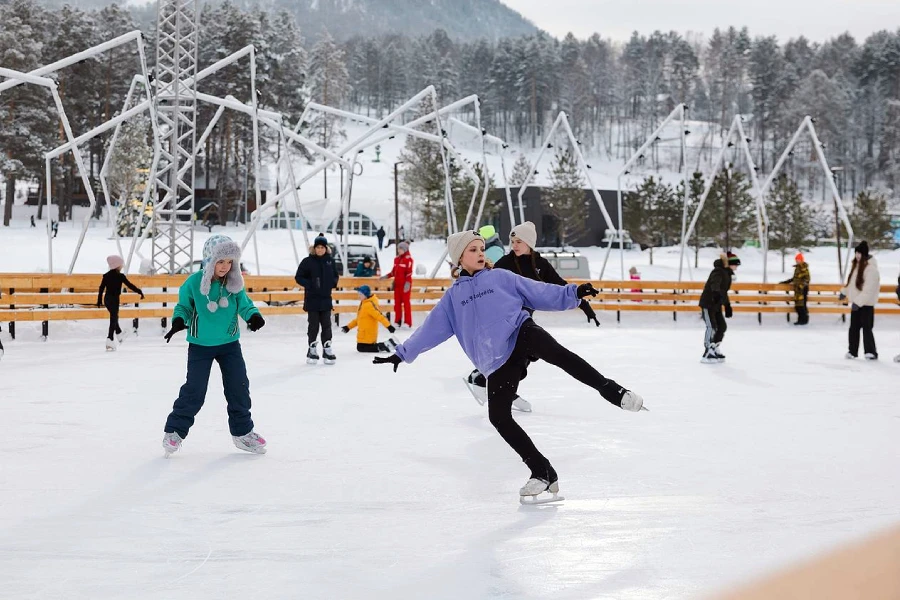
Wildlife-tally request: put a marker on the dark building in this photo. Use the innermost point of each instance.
(545, 223)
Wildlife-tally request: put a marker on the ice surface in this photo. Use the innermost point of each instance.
(383, 485)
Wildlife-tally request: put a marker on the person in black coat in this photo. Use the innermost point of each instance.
(317, 275)
(112, 283)
(712, 300)
(380, 235)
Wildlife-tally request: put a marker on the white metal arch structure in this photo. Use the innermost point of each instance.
(807, 124)
(762, 218)
(73, 143)
(678, 111)
(563, 121)
(20, 77)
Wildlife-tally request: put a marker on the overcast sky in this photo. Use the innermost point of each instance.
(816, 19)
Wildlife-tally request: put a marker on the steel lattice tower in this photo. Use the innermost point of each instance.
(176, 110)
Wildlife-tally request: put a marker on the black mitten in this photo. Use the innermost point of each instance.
(589, 313)
(391, 328)
(177, 325)
(728, 311)
(345, 329)
(256, 322)
(586, 289)
(392, 359)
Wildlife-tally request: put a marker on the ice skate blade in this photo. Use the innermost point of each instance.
(311, 361)
(645, 408)
(479, 393)
(330, 361)
(539, 499)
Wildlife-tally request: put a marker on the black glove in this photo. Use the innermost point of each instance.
(589, 312)
(728, 311)
(392, 359)
(586, 289)
(391, 328)
(256, 322)
(142, 295)
(345, 329)
(177, 325)
(842, 297)
(898, 292)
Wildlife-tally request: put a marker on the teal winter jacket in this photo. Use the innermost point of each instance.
(211, 328)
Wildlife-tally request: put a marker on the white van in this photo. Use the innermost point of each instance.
(570, 264)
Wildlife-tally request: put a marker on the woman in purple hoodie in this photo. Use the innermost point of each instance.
(485, 310)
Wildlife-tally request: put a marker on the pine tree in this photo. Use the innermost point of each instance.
(286, 90)
(521, 170)
(329, 85)
(790, 220)
(130, 161)
(652, 214)
(423, 179)
(696, 185)
(565, 198)
(870, 219)
(728, 214)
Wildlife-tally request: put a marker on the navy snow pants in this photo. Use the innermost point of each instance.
(193, 392)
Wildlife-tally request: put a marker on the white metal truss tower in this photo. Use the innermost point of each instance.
(176, 110)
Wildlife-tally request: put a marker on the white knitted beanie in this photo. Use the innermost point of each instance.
(457, 243)
(525, 232)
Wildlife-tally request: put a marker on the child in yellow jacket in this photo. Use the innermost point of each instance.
(367, 318)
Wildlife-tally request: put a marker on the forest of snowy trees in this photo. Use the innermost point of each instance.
(615, 93)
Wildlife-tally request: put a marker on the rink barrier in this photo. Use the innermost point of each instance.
(50, 297)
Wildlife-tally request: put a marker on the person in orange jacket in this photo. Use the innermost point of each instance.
(367, 319)
(402, 274)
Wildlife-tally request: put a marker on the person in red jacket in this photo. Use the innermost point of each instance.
(402, 274)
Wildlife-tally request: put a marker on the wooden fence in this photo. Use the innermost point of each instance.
(50, 297)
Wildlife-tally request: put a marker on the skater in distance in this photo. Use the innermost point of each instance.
(112, 283)
(368, 316)
(486, 310)
(209, 304)
(712, 300)
(318, 276)
(861, 291)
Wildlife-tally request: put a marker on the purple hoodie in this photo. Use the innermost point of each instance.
(485, 312)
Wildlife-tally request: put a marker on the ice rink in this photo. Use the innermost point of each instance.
(383, 485)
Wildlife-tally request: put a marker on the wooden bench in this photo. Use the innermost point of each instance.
(51, 297)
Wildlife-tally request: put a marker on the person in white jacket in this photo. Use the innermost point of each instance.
(863, 285)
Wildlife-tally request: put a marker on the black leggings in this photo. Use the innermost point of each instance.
(379, 347)
(503, 384)
(112, 305)
(319, 318)
(862, 318)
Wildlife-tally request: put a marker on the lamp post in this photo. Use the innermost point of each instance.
(397, 208)
(837, 223)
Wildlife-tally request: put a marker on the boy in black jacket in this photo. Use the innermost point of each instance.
(318, 275)
(713, 298)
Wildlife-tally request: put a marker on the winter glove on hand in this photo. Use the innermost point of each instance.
(898, 292)
(177, 325)
(256, 322)
(391, 328)
(728, 311)
(842, 297)
(392, 359)
(345, 329)
(142, 294)
(586, 289)
(854, 307)
(406, 287)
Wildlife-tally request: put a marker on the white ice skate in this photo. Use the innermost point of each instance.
(870, 356)
(171, 443)
(533, 488)
(122, 336)
(328, 354)
(252, 442)
(632, 402)
(480, 394)
(111, 345)
(391, 344)
(312, 355)
(710, 357)
(718, 352)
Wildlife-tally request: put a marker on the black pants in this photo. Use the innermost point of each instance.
(801, 307)
(715, 326)
(112, 305)
(378, 347)
(193, 392)
(319, 318)
(862, 318)
(503, 385)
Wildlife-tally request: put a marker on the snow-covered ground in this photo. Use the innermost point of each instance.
(383, 485)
